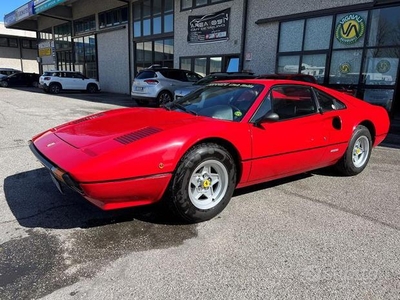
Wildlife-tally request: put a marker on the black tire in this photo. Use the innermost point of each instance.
(163, 98)
(55, 88)
(4, 84)
(193, 196)
(357, 154)
(35, 84)
(91, 88)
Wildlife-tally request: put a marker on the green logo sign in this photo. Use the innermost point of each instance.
(345, 68)
(383, 66)
(350, 29)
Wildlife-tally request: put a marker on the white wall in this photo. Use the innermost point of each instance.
(113, 58)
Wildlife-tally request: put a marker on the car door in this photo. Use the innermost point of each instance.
(292, 140)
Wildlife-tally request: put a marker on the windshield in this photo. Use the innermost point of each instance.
(225, 101)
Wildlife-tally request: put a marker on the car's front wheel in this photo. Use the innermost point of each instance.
(358, 152)
(55, 88)
(164, 97)
(203, 183)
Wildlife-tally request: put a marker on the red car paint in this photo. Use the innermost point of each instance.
(127, 157)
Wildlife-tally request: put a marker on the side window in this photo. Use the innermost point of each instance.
(263, 109)
(327, 102)
(192, 77)
(292, 101)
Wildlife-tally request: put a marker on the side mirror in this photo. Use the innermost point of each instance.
(268, 118)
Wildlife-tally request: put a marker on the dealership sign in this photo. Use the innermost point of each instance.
(209, 28)
(19, 14)
(350, 29)
(42, 5)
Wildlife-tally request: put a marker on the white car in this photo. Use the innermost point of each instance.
(159, 84)
(56, 81)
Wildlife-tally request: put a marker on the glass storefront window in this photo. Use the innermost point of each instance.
(384, 30)
(314, 65)
(350, 29)
(345, 67)
(291, 36)
(146, 27)
(318, 33)
(381, 65)
(215, 64)
(200, 66)
(381, 97)
(288, 64)
(157, 25)
(186, 63)
(168, 23)
(169, 49)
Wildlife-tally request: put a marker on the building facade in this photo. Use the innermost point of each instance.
(18, 50)
(352, 45)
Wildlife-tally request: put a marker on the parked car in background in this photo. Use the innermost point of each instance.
(179, 93)
(56, 81)
(197, 150)
(4, 72)
(294, 76)
(157, 85)
(20, 79)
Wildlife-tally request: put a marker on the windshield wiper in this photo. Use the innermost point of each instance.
(170, 105)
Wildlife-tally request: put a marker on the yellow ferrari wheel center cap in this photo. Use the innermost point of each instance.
(206, 183)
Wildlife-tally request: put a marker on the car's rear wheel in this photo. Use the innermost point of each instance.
(91, 88)
(164, 97)
(203, 183)
(358, 152)
(55, 88)
(4, 83)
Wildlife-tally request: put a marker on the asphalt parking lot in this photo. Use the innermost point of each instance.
(312, 236)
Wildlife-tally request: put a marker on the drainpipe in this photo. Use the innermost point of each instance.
(244, 28)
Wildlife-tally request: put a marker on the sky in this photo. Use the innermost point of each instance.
(7, 6)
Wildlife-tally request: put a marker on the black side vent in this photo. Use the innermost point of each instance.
(87, 118)
(137, 135)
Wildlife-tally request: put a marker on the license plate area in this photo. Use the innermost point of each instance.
(139, 89)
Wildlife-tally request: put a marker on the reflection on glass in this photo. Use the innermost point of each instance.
(318, 33)
(288, 64)
(168, 23)
(385, 27)
(345, 67)
(157, 25)
(215, 64)
(146, 27)
(381, 65)
(186, 64)
(200, 66)
(314, 65)
(291, 36)
(233, 65)
(158, 51)
(137, 28)
(381, 97)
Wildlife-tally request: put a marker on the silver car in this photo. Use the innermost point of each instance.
(157, 85)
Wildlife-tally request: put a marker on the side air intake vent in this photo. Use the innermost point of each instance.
(137, 135)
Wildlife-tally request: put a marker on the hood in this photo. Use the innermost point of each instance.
(122, 125)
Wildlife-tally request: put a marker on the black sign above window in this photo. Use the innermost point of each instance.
(209, 28)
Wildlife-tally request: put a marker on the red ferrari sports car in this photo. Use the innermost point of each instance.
(195, 151)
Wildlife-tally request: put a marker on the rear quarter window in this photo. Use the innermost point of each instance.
(146, 74)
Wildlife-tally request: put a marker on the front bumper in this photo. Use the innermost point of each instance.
(59, 176)
(113, 194)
